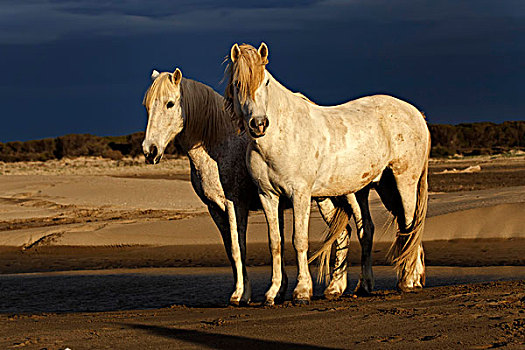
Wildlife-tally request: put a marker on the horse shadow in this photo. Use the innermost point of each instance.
(218, 341)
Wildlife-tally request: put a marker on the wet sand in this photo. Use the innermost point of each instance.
(457, 252)
(151, 288)
(472, 316)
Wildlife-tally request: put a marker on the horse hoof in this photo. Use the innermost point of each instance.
(332, 296)
(269, 303)
(361, 292)
(301, 302)
(238, 303)
(405, 289)
(279, 299)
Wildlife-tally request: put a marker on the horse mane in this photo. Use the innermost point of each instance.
(304, 97)
(206, 119)
(247, 72)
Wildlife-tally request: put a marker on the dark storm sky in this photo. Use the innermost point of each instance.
(82, 66)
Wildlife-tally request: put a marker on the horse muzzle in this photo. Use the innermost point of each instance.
(153, 156)
(258, 125)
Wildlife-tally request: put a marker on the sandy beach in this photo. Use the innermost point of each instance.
(134, 247)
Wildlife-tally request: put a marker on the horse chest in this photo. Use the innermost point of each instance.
(273, 175)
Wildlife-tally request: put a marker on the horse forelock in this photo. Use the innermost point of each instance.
(247, 72)
(161, 87)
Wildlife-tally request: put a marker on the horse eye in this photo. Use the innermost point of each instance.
(267, 82)
(170, 104)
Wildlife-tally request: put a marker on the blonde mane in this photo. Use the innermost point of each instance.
(247, 72)
(207, 121)
(160, 88)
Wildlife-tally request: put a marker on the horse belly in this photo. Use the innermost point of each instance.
(349, 166)
(340, 183)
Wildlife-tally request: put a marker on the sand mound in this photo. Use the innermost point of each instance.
(500, 221)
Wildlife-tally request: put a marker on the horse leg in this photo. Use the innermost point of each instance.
(270, 204)
(284, 282)
(400, 194)
(338, 282)
(412, 274)
(240, 213)
(231, 244)
(365, 233)
(301, 211)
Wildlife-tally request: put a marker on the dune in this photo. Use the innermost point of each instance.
(109, 211)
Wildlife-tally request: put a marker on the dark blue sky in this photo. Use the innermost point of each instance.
(82, 66)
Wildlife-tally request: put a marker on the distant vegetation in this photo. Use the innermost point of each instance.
(77, 145)
(447, 140)
(477, 138)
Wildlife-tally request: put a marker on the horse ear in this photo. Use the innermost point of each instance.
(177, 76)
(235, 52)
(154, 75)
(263, 51)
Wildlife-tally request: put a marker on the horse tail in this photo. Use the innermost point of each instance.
(335, 227)
(405, 248)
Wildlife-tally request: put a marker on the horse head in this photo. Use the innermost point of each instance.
(247, 90)
(163, 102)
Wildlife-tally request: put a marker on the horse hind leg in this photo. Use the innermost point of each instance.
(409, 207)
(365, 234)
(338, 281)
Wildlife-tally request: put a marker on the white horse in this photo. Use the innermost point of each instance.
(216, 150)
(301, 150)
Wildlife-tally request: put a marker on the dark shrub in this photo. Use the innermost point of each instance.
(447, 140)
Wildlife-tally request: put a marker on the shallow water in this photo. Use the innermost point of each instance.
(109, 290)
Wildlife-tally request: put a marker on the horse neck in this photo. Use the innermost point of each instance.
(206, 121)
(283, 101)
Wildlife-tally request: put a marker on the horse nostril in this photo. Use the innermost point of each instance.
(153, 152)
(258, 123)
(253, 124)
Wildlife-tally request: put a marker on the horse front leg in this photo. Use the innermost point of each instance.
(301, 211)
(284, 281)
(270, 204)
